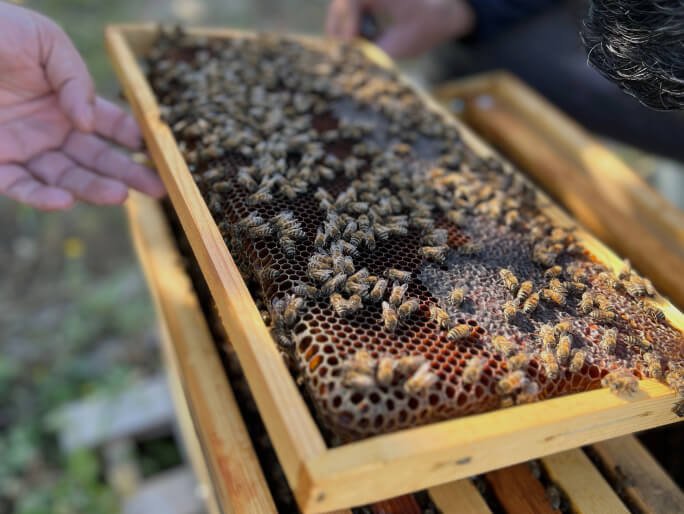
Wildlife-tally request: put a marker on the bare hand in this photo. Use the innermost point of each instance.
(415, 26)
(55, 135)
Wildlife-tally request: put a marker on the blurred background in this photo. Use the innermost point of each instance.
(76, 321)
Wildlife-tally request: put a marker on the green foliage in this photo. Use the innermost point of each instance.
(77, 491)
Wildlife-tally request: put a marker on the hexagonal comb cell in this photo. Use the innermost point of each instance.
(408, 279)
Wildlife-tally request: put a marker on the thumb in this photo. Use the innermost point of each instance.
(68, 75)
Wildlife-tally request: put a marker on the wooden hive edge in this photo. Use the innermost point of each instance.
(312, 470)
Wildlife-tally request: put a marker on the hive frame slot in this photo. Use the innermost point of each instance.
(325, 479)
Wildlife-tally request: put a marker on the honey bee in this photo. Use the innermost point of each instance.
(602, 315)
(577, 362)
(602, 302)
(609, 341)
(576, 287)
(552, 296)
(357, 287)
(333, 284)
(524, 291)
(408, 364)
(563, 348)
(390, 318)
(529, 392)
(397, 294)
(511, 382)
(456, 296)
(509, 279)
(358, 381)
(586, 303)
(441, 317)
(473, 370)
(608, 279)
(294, 304)
(460, 331)
(504, 346)
(267, 274)
(260, 231)
(378, 292)
(289, 246)
(470, 248)
(547, 336)
(518, 361)
(655, 368)
(251, 220)
(562, 327)
(222, 187)
(530, 304)
(621, 382)
(544, 256)
(421, 380)
(261, 195)
(437, 254)
(245, 179)
(509, 311)
(319, 274)
(634, 287)
(558, 286)
(436, 237)
(398, 275)
(457, 217)
(553, 272)
(408, 308)
(305, 290)
(654, 313)
(641, 342)
(361, 362)
(550, 364)
(385, 372)
(511, 218)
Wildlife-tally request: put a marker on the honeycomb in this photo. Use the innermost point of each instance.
(287, 140)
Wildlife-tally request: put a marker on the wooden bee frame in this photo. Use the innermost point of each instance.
(322, 478)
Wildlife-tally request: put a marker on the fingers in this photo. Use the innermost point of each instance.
(398, 42)
(343, 19)
(16, 182)
(56, 169)
(95, 154)
(67, 74)
(116, 124)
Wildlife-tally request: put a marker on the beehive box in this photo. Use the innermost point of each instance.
(232, 457)
(325, 478)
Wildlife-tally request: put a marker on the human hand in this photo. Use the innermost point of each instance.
(415, 26)
(55, 135)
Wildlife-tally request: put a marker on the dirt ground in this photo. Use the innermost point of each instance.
(75, 316)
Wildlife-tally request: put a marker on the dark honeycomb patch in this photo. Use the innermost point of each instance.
(323, 342)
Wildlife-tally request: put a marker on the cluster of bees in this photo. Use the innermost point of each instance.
(362, 372)
(258, 100)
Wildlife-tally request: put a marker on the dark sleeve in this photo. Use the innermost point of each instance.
(493, 16)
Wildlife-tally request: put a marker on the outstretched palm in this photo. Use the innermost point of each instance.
(54, 133)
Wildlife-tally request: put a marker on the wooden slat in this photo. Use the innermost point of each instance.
(639, 477)
(459, 497)
(598, 188)
(239, 481)
(406, 504)
(587, 491)
(383, 466)
(517, 490)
